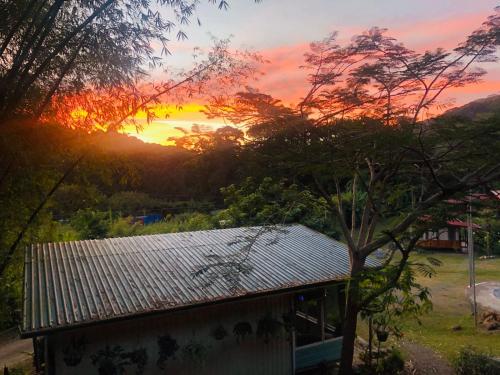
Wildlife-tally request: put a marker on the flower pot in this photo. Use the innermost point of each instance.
(382, 336)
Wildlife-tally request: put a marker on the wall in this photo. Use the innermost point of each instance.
(123, 344)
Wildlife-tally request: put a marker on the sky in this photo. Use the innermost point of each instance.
(281, 31)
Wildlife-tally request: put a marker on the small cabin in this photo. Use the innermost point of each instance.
(452, 236)
(256, 300)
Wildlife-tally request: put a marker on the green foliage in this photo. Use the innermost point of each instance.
(55, 231)
(271, 202)
(72, 58)
(393, 363)
(45, 230)
(132, 202)
(390, 363)
(123, 227)
(451, 309)
(72, 197)
(11, 295)
(472, 362)
(91, 224)
(487, 239)
(404, 298)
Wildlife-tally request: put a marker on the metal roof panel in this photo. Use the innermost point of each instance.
(80, 282)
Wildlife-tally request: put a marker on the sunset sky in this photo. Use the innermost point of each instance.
(281, 31)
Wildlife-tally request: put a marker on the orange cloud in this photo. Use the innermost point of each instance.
(284, 79)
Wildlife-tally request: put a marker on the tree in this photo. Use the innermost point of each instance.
(404, 171)
(64, 48)
(82, 64)
(357, 131)
(270, 202)
(378, 77)
(203, 138)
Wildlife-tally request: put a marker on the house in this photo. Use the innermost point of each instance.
(258, 300)
(452, 236)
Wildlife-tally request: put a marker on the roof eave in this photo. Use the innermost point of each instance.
(24, 334)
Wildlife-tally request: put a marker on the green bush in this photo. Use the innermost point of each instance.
(91, 224)
(123, 227)
(472, 362)
(392, 363)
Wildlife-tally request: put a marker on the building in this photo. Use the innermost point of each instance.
(259, 300)
(452, 236)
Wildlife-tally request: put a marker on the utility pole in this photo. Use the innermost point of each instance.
(472, 266)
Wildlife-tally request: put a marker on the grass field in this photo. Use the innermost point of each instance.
(451, 308)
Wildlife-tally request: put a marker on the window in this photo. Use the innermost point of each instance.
(318, 315)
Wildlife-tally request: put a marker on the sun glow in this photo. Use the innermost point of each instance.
(168, 123)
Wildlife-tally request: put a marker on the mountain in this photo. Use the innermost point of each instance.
(52, 136)
(484, 107)
(122, 143)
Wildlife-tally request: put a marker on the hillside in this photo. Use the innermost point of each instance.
(483, 107)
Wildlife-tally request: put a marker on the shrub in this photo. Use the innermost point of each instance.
(472, 362)
(392, 363)
(123, 227)
(389, 363)
(91, 224)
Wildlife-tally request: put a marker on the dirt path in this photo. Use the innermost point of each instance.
(423, 361)
(14, 350)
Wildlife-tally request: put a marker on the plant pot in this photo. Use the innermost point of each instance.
(382, 336)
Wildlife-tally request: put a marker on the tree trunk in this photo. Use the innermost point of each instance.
(351, 318)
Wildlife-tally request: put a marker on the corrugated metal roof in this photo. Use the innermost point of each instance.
(81, 282)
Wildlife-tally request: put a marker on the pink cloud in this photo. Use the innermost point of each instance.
(285, 80)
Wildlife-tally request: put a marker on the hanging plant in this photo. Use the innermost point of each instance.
(382, 335)
(242, 329)
(268, 327)
(139, 358)
(195, 352)
(73, 353)
(109, 360)
(114, 360)
(167, 347)
(289, 321)
(219, 332)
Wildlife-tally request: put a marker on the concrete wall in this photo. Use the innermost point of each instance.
(192, 330)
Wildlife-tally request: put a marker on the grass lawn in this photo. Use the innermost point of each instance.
(451, 308)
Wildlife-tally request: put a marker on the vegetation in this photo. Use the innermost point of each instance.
(451, 308)
(60, 55)
(357, 130)
(354, 159)
(472, 362)
(392, 363)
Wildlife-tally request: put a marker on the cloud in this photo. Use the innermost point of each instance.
(285, 80)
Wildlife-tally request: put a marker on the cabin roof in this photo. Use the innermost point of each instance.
(77, 283)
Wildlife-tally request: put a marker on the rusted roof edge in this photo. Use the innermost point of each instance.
(148, 313)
